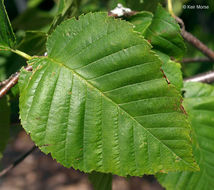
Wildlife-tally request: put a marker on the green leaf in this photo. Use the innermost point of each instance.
(99, 102)
(7, 37)
(199, 102)
(163, 32)
(141, 21)
(172, 70)
(100, 181)
(4, 123)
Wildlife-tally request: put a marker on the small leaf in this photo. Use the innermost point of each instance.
(4, 123)
(101, 103)
(163, 32)
(100, 181)
(172, 70)
(199, 102)
(7, 37)
(141, 20)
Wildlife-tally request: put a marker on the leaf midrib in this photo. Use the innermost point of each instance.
(106, 97)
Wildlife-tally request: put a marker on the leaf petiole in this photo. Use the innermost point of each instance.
(22, 54)
(170, 9)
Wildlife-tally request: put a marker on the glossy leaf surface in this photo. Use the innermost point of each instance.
(161, 30)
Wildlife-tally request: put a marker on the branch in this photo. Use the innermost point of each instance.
(18, 161)
(192, 60)
(2, 83)
(207, 77)
(9, 83)
(194, 41)
(198, 44)
(169, 3)
(21, 53)
(189, 37)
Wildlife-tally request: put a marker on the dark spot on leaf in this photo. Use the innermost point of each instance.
(164, 76)
(183, 110)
